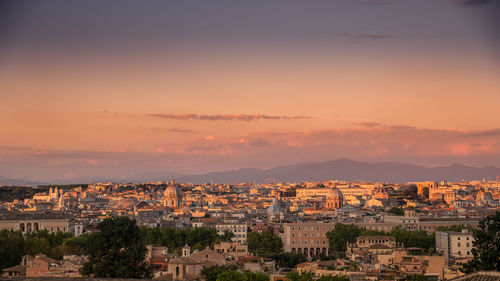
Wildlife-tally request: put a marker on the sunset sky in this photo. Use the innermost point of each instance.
(116, 88)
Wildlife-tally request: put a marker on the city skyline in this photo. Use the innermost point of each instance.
(191, 87)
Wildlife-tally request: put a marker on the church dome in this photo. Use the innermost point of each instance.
(171, 191)
(334, 193)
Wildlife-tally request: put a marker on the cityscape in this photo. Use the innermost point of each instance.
(343, 140)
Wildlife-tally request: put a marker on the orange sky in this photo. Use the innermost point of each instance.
(376, 91)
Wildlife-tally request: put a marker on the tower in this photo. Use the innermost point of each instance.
(170, 197)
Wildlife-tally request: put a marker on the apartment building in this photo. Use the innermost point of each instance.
(454, 245)
(236, 226)
(308, 238)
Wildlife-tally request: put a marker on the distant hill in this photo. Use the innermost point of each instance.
(345, 169)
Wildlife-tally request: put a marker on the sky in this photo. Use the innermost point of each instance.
(118, 88)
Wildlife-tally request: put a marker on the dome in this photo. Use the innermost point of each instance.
(275, 207)
(334, 193)
(170, 192)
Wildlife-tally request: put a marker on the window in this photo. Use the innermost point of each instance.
(458, 238)
(459, 252)
(458, 244)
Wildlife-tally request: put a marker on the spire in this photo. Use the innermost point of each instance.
(172, 182)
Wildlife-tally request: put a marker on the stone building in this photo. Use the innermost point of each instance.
(28, 222)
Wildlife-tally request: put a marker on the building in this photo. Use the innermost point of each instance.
(334, 199)
(170, 196)
(237, 227)
(28, 222)
(234, 249)
(308, 238)
(454, 245)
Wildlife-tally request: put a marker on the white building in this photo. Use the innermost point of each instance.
(238, 228)
(454, 245)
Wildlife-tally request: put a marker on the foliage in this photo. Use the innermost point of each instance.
(14, 245)
(340, 235)
(11, 248)
(210, 273)
(242, 276)
(303, 276)
(486, 251)
(226, 237)
(333, 278)
(415, 277)
(410, 193)
(116, 250)
(456, 228)
(264, 243)
(397, 211)
(197, 238)
(289, 260)
(230, 273)
(9, 193)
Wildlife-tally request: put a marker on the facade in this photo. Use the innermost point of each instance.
(234, 249)
(26, 223)
(454, 245)
(308, 238)
(237, 227)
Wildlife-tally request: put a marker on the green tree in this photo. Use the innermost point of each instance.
(340, 235)
(486, 246)
(397, 211)
(227, 236)
(415, 277)
(210, 273)
(116, 250)
(264, 243)
(333, 278)
(11, 248)
(289, 260)
(410, 193)
(303, 276)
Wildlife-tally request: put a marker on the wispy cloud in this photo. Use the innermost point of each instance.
(364, 36)
(471, 2)
(227, 117)
(159, 130)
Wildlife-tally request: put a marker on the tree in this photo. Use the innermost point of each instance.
(11, 248)
(210, 273)
(340, 235)
(411, 192)
(289, 260)
(397, 211)
(303, 276)
(333, 278)
(264, 243)
(116, 250)
(486, 246)
(226, 237)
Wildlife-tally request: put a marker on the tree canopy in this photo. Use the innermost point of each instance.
(340, 235)
(264, 243)
(116, 250)
(486, 246)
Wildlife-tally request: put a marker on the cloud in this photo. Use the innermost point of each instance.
(364, 36)
(226, 117)
(367, 124)
(368, 141)
(471, 2)
(159, 130)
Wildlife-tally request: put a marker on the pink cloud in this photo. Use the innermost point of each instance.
(227, 117)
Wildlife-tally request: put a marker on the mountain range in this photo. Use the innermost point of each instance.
(340, 169)
(345, 169)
